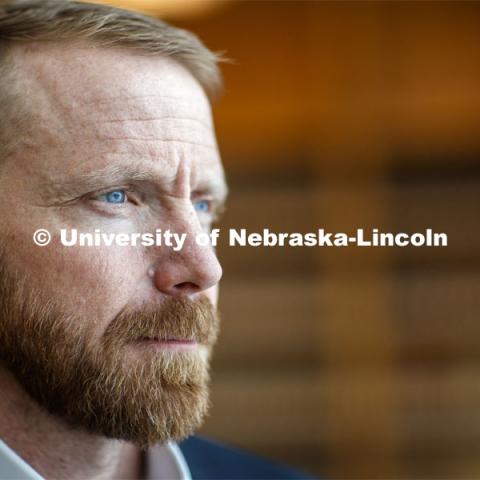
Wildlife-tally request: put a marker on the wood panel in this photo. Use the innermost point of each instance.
(431, 316)
(453, 208)
(435, 413)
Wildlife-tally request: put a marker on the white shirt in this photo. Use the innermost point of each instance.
(163, 462)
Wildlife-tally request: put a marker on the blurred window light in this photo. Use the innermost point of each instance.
(168, 8)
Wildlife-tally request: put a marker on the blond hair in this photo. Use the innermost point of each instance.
(23, 21)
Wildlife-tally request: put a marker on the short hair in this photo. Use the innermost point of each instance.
(25, 21)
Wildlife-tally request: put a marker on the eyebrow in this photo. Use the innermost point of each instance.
(218, 188)
(78, 185)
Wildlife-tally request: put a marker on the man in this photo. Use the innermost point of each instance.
(106, 127)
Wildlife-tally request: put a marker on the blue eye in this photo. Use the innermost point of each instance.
(202, 206)
(116, 196)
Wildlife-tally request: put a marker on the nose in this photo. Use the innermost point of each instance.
(189, 271)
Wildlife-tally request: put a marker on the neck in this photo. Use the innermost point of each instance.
(54, 449)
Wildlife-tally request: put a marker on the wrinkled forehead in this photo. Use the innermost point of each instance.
(63, 78)
(94, 106)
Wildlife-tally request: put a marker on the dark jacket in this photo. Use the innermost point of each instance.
(209, 460)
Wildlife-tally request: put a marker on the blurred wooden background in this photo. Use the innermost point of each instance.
(350, 363)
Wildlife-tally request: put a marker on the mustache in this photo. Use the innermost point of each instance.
(175, 318)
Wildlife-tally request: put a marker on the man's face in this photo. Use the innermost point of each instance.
(121, 143)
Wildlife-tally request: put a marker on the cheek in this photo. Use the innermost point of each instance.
(88, 281)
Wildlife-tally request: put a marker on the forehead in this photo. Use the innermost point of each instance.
(92, 107)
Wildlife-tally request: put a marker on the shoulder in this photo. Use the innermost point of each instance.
(208, 459)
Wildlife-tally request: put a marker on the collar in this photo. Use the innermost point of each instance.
(166, 462)
(15, 467)
(163, 462)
